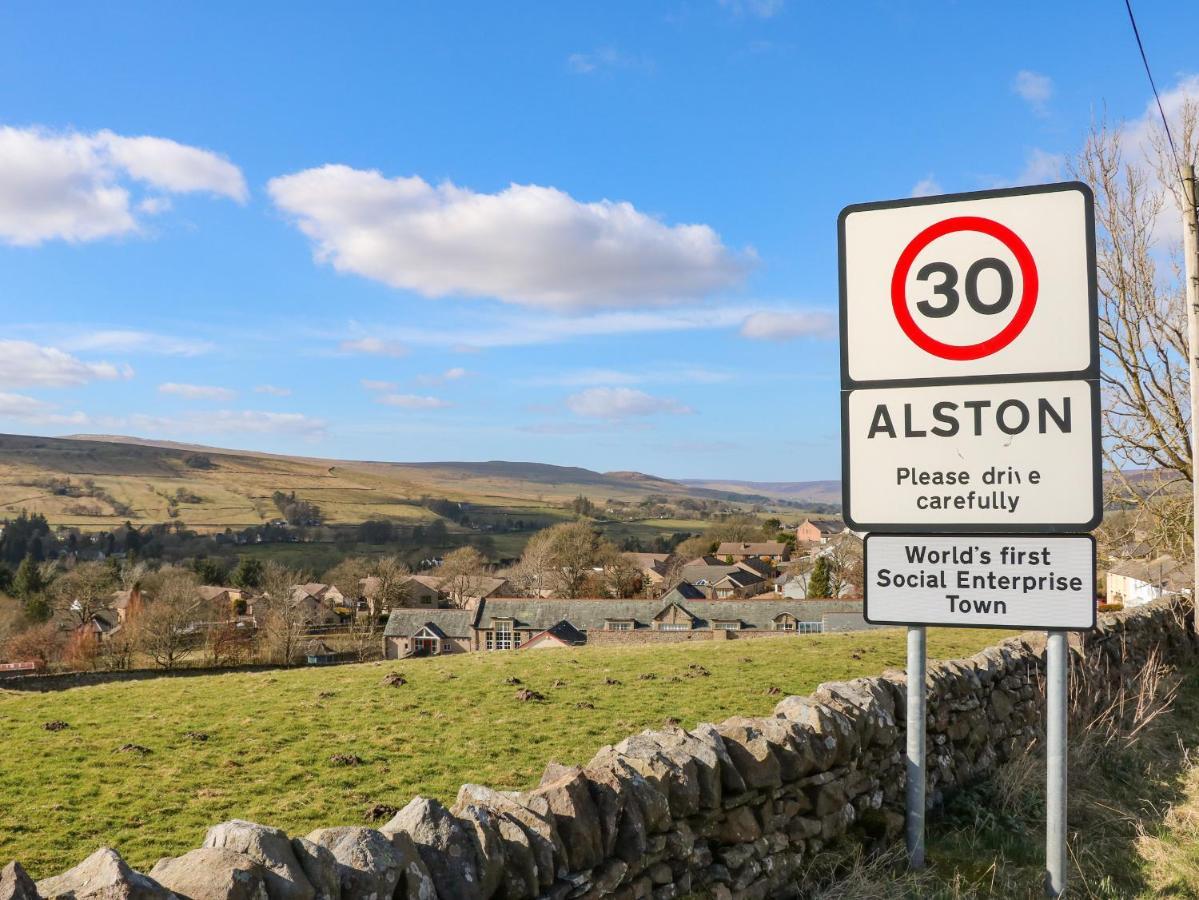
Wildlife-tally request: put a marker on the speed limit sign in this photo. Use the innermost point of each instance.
(970, 363)
(969, 287)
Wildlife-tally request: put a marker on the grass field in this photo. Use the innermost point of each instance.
(270, 735)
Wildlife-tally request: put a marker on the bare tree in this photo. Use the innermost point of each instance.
(166, 628)
(533, 574)
(349, 577)
(461, 573)
(1142, 319)
(622, 578)
(388, 587)
(84, 591)
(282, 618)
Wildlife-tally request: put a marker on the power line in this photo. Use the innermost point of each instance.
(1136, 32)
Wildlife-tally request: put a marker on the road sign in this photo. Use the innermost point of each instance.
(1037, 581)
(1008, 457)
(995, 284)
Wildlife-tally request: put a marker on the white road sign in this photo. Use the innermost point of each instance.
(1016, 456)
(977, 580)
(969, 286)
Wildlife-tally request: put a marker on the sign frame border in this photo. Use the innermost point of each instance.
(969, 535)
(982, 528)
(1090, 373)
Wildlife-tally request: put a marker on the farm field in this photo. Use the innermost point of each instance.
(268, 737)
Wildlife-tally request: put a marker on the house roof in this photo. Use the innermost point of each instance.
(450, 622)
(210, 591)
(741, 579)
(684, 590)
(587, 614)
(1160, 570)
(826, 526)
(759, 566)
(751, 548)
(649, 562)
(562, 631)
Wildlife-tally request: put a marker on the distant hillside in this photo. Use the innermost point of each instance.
(796, 491)
(95, 481)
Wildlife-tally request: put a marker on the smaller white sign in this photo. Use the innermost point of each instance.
(986, 581)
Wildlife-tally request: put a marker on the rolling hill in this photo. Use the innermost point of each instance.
(97, 481)
(796, 491)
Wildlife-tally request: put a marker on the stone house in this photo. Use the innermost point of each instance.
(1140, 581)
(773, 551)
(511, 623)
(556, 637)
(737, 585)
(428, 632)
(818, 531)
(652, 566)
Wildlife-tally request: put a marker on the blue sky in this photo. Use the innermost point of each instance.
(587, 234)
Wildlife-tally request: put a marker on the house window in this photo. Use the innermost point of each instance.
(785, 624)
(503, 635)
(619, 625)
(727, 626)
(674, 626)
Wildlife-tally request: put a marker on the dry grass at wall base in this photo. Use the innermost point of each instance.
(1133, 809)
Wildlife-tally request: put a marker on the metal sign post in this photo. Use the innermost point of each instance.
(970, 434)
(916, 767)
(1057, 666)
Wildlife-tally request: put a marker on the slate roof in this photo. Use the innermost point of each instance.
(566, 633)
(741, 579)
(540, 615)
(751, 548)
(451, 622)
(682, 592)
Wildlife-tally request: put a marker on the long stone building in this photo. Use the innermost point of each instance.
(511, 623)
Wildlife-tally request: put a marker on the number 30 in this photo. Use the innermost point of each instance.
(948, 288)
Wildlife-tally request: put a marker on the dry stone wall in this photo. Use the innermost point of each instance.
(730, 810)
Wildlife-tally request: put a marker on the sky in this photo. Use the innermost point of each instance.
(600, 235)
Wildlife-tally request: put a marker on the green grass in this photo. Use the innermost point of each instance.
(270, 735)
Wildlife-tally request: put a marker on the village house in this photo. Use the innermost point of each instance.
(707, 570)
(514, 623)
(327, 594)
(128, 604)
(1140, 581)
(773, 551)
(652, 566)
(737, 585)
(818, 531)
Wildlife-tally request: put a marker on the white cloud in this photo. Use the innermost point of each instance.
(35, 412)
(455, 374)
(783, 326)
(273, 390)
(77, 187)
(605, 58)
(1041, 167)
(412, 401)
(526, 244)
(762, 9)
(196, 391)
(620, 403)
(521, 330)
(1034, 89)
(129, 341)
(25, 364)
(262, 422)
(373, 385)
(373, 345)
(587, 377)
(926, 187)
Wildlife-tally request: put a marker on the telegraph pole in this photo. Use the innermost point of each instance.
(1190, 252)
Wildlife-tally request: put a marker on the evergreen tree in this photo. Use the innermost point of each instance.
(248, 573)
(819, 583)
(28, 581)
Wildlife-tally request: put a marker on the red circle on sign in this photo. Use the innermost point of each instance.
(1028, 296)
